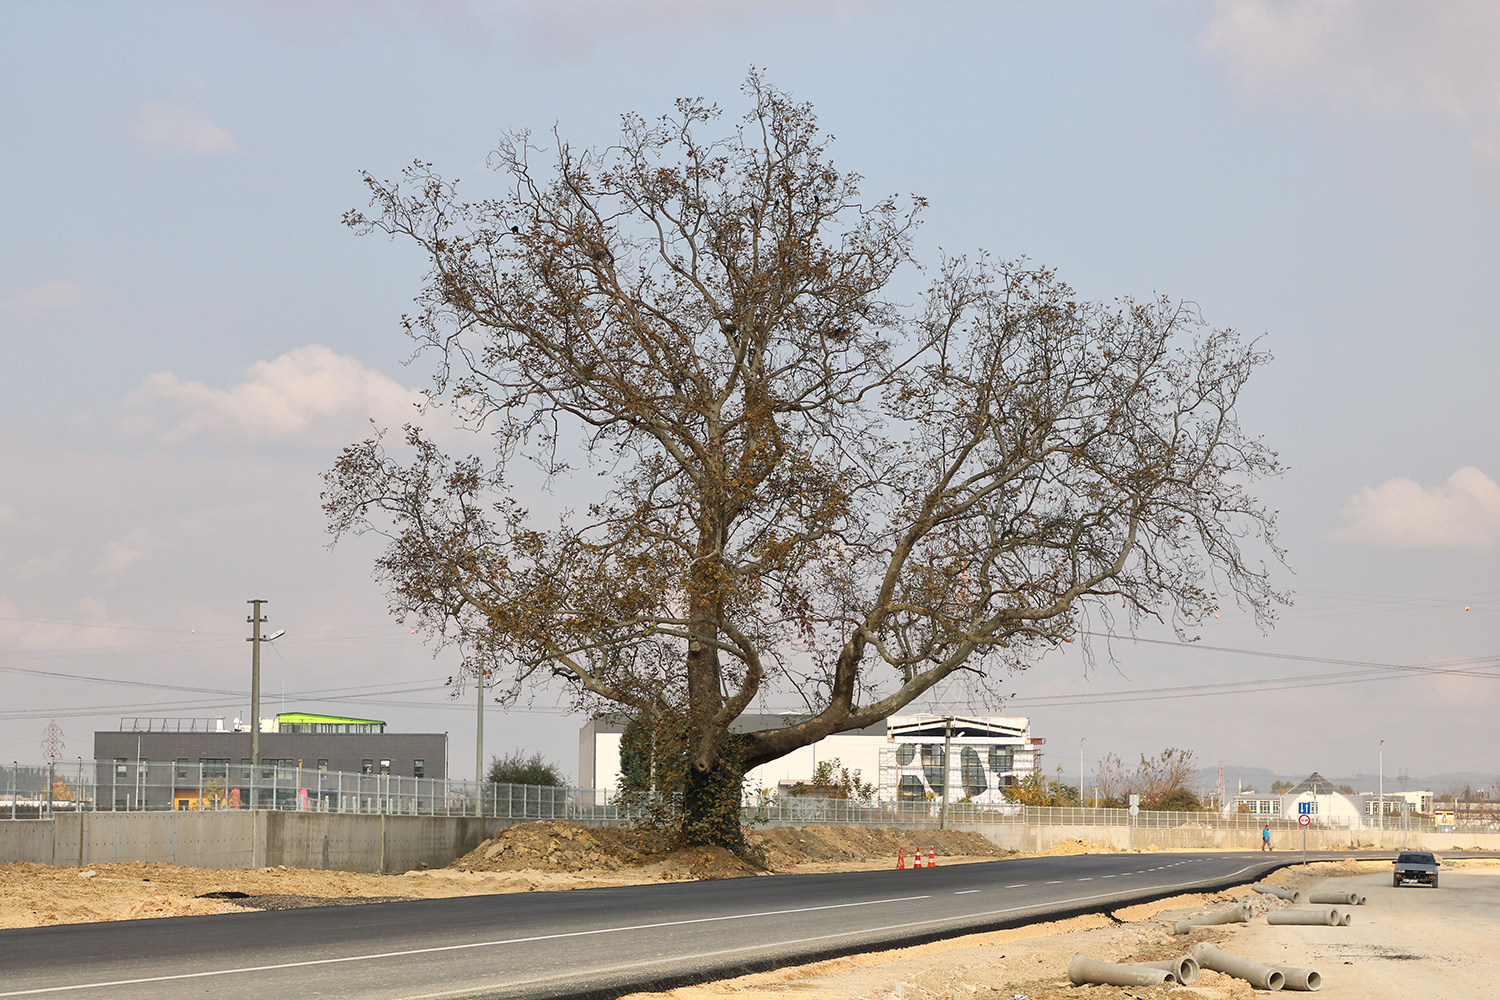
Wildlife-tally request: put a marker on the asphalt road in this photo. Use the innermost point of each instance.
(586, 942)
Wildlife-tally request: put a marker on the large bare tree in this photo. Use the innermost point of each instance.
(807, 487)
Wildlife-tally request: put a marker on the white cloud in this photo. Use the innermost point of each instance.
(43, 300)
(121, 553)
(309, 396)
(1386, 57)
(22, 632)
(53, 564)
(1463, 513)
(160, 124)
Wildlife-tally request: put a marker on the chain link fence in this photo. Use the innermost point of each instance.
(32, 792)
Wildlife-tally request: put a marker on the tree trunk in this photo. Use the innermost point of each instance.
(711, 802)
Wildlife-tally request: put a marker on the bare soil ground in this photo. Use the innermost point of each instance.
(1404, 943)
(524, 858)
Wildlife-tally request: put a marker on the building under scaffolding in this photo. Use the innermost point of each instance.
(974, 758)
(903, 757)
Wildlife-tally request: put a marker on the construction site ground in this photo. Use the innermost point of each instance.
(1386, 952)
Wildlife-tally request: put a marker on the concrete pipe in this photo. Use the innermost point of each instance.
(1341, 898)
(1323, 918)
(1290, 895)
(1305, 980)
(1084, 971)
(1184, 970)
(1344, 918)
(1262, 977)
(1238, 915)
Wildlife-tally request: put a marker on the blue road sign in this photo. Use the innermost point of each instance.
(1304, 808)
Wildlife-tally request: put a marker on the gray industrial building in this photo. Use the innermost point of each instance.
(211, 761)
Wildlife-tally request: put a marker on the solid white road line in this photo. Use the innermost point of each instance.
(463, 947)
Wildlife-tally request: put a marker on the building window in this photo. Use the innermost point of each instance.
(385, 767)
(974, 779)
(214, 767)
(910, 789)
(367, 766)
(1002, 759)
(322, 763)
(120, 768)
(419, 768)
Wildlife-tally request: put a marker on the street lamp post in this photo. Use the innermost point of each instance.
(1080, 770)
(1382, 786)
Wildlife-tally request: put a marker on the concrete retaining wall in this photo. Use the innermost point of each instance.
(1020, 837)
(248, 839)
(362, 843)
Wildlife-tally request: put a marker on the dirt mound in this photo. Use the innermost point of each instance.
(568, 847)
(558, 846)
(704, 863)
(786, 847)
(553, 845)
(1081, 846)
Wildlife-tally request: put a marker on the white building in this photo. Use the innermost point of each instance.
(975, 757)
(1396, 803)
(902, 757)
(1327, 805)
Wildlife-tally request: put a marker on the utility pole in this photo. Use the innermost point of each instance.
(255, 620)
(947, 771)
(479, 732)
(1080, 771)
(1382, 787)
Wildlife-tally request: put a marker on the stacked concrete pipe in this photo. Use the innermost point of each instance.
(1305, 980)
(1311, 918)
(1339, 898)
(1262, 977)
(1238, 915)
(1290, 895)
(1085, 971)
(1183, 971)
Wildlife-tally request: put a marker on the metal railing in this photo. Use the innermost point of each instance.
(31, 792)
(60, 786)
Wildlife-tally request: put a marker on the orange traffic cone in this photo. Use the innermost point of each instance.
(901, 858)
(931, 859)
(916, 858)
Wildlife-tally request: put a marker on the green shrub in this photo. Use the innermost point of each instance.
(519, 769)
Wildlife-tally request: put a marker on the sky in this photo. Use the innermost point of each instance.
(191, 335)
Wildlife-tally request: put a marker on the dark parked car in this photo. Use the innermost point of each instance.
(1415, 866)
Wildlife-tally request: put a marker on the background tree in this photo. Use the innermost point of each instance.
(832, 780)
(1036, 789)
(519, 769)
(808, 489)
(1110, 779)
(1281, 786)
(1163, 777)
